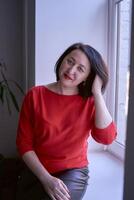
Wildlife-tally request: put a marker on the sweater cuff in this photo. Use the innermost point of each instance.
(105, 135)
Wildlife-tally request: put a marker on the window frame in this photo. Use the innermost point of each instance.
(116, 147)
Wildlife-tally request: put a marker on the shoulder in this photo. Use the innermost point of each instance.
(36, 88)
(51, 86)
(33, 92)
(33, 95)
(39, 89)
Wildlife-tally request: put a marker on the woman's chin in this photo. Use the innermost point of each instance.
(67, 83)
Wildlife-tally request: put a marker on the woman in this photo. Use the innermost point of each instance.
(55, 123)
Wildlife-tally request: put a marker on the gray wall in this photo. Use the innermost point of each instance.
(129, 162)
(17, 50)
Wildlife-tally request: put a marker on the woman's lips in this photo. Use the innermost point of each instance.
(66, 76)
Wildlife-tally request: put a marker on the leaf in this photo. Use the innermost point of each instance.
(13, 99)
(8, 102)
(3, 76)
(2, 93)
(18, 86)
(5, 91)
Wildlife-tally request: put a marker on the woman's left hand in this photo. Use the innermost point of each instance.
(97, 85)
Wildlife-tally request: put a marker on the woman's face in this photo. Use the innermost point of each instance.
(74, 68)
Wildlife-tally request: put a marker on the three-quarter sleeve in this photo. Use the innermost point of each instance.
(104, 135)
(24, 139)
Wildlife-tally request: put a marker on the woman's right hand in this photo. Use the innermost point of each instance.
(55, 188)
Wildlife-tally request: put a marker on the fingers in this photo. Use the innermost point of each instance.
(57, 190)
(52, 197)
(63, 194)
(65, 186)
(62, 191)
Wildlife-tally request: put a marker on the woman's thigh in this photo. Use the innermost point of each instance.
(75, 179)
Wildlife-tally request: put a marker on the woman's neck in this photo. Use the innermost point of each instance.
(61, 89)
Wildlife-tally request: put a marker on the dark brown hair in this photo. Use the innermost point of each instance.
(97, 65)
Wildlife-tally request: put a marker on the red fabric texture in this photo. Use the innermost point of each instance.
(57, 127)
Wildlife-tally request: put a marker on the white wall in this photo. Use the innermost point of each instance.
(61, 23)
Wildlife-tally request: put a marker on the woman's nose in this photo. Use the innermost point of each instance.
(72, 70)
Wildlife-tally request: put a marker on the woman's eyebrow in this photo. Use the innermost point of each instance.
(72, 58)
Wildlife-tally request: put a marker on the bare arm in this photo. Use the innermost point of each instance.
(102, 115)
(32, 161)
(55, 188)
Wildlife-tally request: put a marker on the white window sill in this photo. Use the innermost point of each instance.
(106, 176)
(117, 149)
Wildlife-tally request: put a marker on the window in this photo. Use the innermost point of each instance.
(119, 53)
(122, 67)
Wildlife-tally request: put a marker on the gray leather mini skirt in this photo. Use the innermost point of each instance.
(29, 187)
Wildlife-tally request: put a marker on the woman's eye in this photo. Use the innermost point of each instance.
(80, 69)
(70, 61)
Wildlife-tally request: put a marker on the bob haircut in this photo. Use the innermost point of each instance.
(97, 64)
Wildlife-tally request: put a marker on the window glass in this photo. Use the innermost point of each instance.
(123, 22)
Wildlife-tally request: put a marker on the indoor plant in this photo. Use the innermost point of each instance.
(6, 93)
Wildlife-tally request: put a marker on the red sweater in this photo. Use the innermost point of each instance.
(57, 127)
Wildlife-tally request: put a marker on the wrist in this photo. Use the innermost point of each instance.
(97, 94)
(45, 177)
